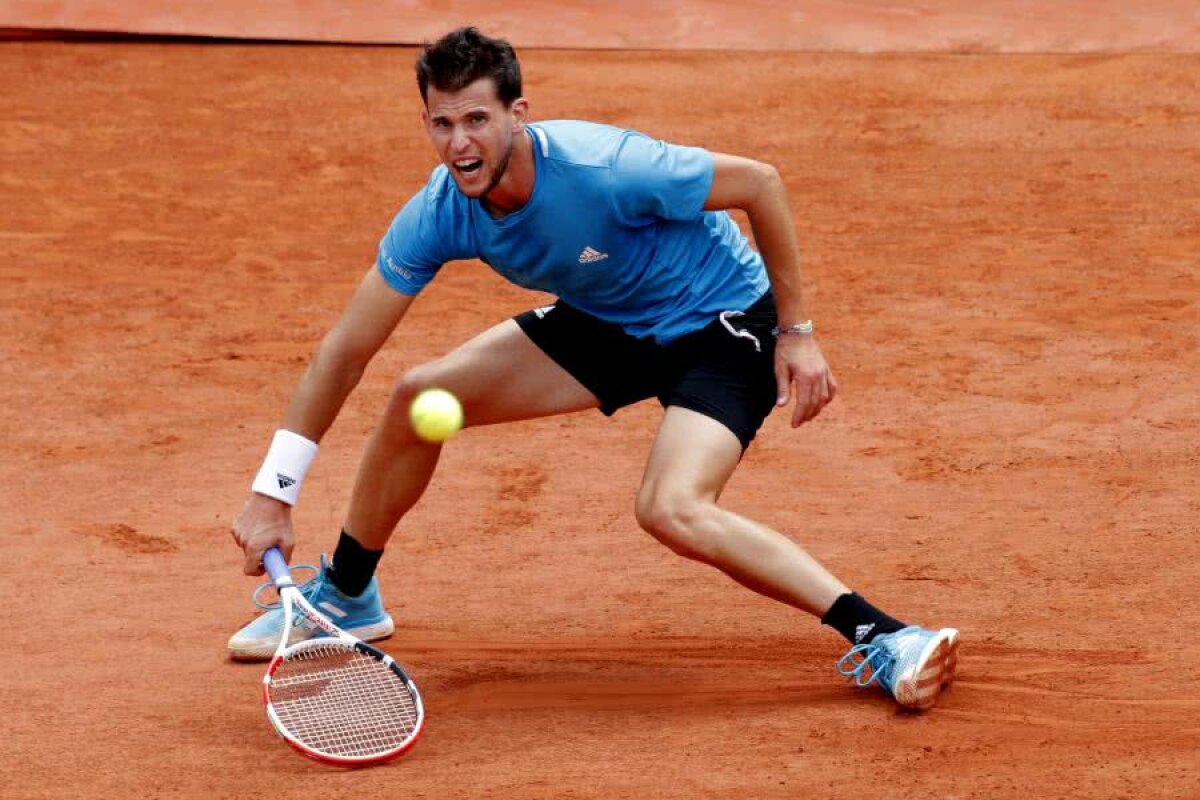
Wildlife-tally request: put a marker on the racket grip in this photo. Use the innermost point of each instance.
(276, 564)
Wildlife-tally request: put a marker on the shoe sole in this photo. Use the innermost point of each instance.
(934, 671)
(263, 651)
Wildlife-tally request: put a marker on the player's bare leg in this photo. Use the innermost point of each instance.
(692, 459)
(499, 376)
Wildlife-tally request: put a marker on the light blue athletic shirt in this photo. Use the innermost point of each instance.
(615, 227)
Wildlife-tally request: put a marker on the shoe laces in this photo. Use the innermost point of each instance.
(306, 588)
(867, 663)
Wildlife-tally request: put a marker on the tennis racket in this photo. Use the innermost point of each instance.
(335, 698)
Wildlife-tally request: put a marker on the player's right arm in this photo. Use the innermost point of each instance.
(373, 313)
(336, 368)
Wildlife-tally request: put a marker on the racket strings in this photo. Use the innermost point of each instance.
(336, 700)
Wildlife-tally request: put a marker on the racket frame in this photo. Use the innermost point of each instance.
(290, 598)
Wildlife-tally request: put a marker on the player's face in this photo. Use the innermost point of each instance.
(473, 132)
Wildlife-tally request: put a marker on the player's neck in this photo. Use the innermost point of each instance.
(516, 187)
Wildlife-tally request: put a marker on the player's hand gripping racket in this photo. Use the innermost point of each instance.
(335, 698)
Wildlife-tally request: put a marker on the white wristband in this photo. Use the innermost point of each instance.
(285, 466)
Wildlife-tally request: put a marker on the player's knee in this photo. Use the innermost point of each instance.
(411, 383)
(676, 520)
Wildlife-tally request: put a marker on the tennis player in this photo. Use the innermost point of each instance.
(659, 296)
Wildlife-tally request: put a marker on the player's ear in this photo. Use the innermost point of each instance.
(520, 113)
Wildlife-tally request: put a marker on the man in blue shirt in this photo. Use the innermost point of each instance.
(660, 295)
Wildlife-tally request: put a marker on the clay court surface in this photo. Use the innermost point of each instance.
(1001, 253)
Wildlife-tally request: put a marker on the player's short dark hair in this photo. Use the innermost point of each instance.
(462, 57)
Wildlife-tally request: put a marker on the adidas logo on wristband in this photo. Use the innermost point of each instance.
(284, 480)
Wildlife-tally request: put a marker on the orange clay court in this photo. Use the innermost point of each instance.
(1002, 260)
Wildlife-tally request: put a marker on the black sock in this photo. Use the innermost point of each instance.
(353, 565)
(858, 620)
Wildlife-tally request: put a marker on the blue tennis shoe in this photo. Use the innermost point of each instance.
(361, 616)
(913, 664)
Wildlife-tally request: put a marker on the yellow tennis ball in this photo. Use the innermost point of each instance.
(436, 415)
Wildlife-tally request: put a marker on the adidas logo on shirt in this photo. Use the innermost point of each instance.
(591, 255)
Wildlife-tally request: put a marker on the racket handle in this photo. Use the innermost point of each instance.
(276, 564)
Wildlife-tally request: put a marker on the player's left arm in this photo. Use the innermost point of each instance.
(758, 189)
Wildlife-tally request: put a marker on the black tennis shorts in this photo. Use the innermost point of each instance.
(725, 370)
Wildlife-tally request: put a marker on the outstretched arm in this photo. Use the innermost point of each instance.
(372, 314)
(757, 189)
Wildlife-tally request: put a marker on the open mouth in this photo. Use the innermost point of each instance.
(469, 166)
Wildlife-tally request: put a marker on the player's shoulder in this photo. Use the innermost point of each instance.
(440, 189)
(433, 210)
(578, 142)
(440, 198)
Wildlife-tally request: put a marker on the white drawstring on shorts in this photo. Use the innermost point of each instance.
(741, 334)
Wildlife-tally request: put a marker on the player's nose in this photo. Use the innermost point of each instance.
(459, 141)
